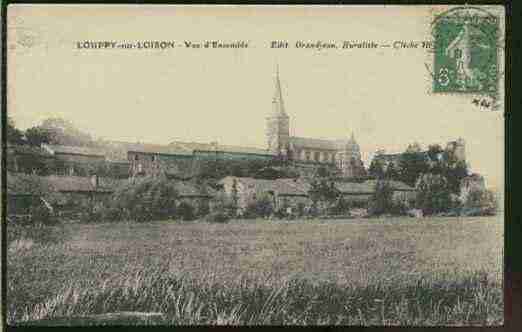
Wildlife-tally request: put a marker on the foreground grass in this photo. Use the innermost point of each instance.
(358, 272)
(184, 301)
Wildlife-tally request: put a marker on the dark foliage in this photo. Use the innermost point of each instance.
(185, 211)
(260, 208)
(145, 200)
(433, 194)
(382, 200)
(217, 217)
(13, 134)
(412, 165)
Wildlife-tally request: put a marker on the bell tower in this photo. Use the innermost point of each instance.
(352, 165)
(278, 122)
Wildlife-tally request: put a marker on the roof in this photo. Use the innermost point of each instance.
(27, 149)
(77, 150)
(289, 187)
(187, 189)
(75, 184)
(117, 150)
(156, 148)
(355, 187)
(241, 149)
(316, 143)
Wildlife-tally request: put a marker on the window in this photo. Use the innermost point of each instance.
(153, 158)
(140, 168)
(316, 156)
(136, 157)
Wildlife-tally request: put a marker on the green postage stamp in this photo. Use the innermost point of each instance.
(466, 52)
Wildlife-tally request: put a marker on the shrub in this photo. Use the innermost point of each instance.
(260, 208)
(147, 199)
(185, 211)
(434, 194)
(340, 207)
(300, 209)
(480, 202)
(203, 208)
(40, 214)
(217, 217)
(226, 204)
(99, 212)
(382, 200)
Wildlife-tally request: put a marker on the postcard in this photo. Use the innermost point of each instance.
(254, 165)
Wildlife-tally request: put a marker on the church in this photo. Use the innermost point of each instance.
(344, 154)
(178, 157)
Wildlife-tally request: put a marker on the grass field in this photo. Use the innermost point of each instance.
(398, 271)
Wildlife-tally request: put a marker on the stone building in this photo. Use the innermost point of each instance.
(344, 154)
(69, 160)
(282, 192)
(295, 192)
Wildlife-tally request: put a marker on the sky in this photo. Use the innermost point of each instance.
(382, 95)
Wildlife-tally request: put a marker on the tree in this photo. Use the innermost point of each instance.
(38, 135)
(455, 173)
(149, 198)
(392, 173)
(342, 206)
(413, 148)
(433, 194)
(58, 131)
(481, 202)
(376, 168)
(434, 151)
(412, 164)
(323, 192)
(382, 198)
(323, 172)
(235, 195)
(13, 134)
(261, 207)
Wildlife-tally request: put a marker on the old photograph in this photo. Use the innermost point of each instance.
(254, 165)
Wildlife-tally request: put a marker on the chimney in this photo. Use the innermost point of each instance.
(94, 180)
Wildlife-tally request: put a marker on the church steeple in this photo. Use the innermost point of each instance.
(277, 123)
(278, 106)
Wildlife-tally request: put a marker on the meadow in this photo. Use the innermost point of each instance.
(383, 271)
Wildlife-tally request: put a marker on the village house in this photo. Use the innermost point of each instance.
(62, 193)
(294, 192)
(153, 160)
(360, 193)
(282, 192)
(71, 158)
(198, 196)
(28, 159)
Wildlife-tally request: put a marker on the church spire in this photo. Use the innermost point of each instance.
(278, 106)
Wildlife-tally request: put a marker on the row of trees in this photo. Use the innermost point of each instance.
(50, 131)
(413, 163)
